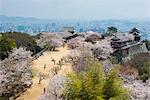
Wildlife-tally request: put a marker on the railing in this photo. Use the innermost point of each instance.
(36, 56)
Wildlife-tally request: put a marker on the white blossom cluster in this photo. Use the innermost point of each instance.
(103, 49)
(55, 88)
(51, 39)
(81, 63)
(75, 42)
(140, 90)
(79, 43)
(89, 33)
(15, 74)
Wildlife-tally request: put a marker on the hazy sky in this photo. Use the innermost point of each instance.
(77, 9)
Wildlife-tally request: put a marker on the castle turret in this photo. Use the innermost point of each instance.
(117, 43)
(135, 32)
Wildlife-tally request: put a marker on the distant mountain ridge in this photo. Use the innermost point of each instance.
(5, 18)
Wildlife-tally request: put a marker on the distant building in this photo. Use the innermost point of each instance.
(127, 44)
(117, 43)
(135, 32)
(72, 36)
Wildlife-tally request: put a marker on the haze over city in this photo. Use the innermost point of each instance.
(77, 9)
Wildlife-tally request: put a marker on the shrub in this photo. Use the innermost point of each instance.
(128, 70)
(144, 72)
(93, 84)
(142, 63)
(113, 89)
(86, 85)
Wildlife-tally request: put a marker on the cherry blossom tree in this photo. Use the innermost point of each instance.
(15, 74)
(102, 50)
(50, 41)
(55, 88)
(79, 43)
(81, 63)
(75, 42)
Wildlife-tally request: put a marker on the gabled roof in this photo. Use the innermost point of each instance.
(134, 30)
(73, 36)
(115, 38)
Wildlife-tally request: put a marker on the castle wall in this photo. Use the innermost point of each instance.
(137, 49)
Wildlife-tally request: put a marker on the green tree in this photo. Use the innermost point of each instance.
(6, 44)
(25, 40)
(110, 30)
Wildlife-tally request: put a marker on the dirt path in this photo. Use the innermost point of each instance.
(38, 66)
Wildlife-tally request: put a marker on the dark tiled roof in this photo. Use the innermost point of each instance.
(124, 37)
